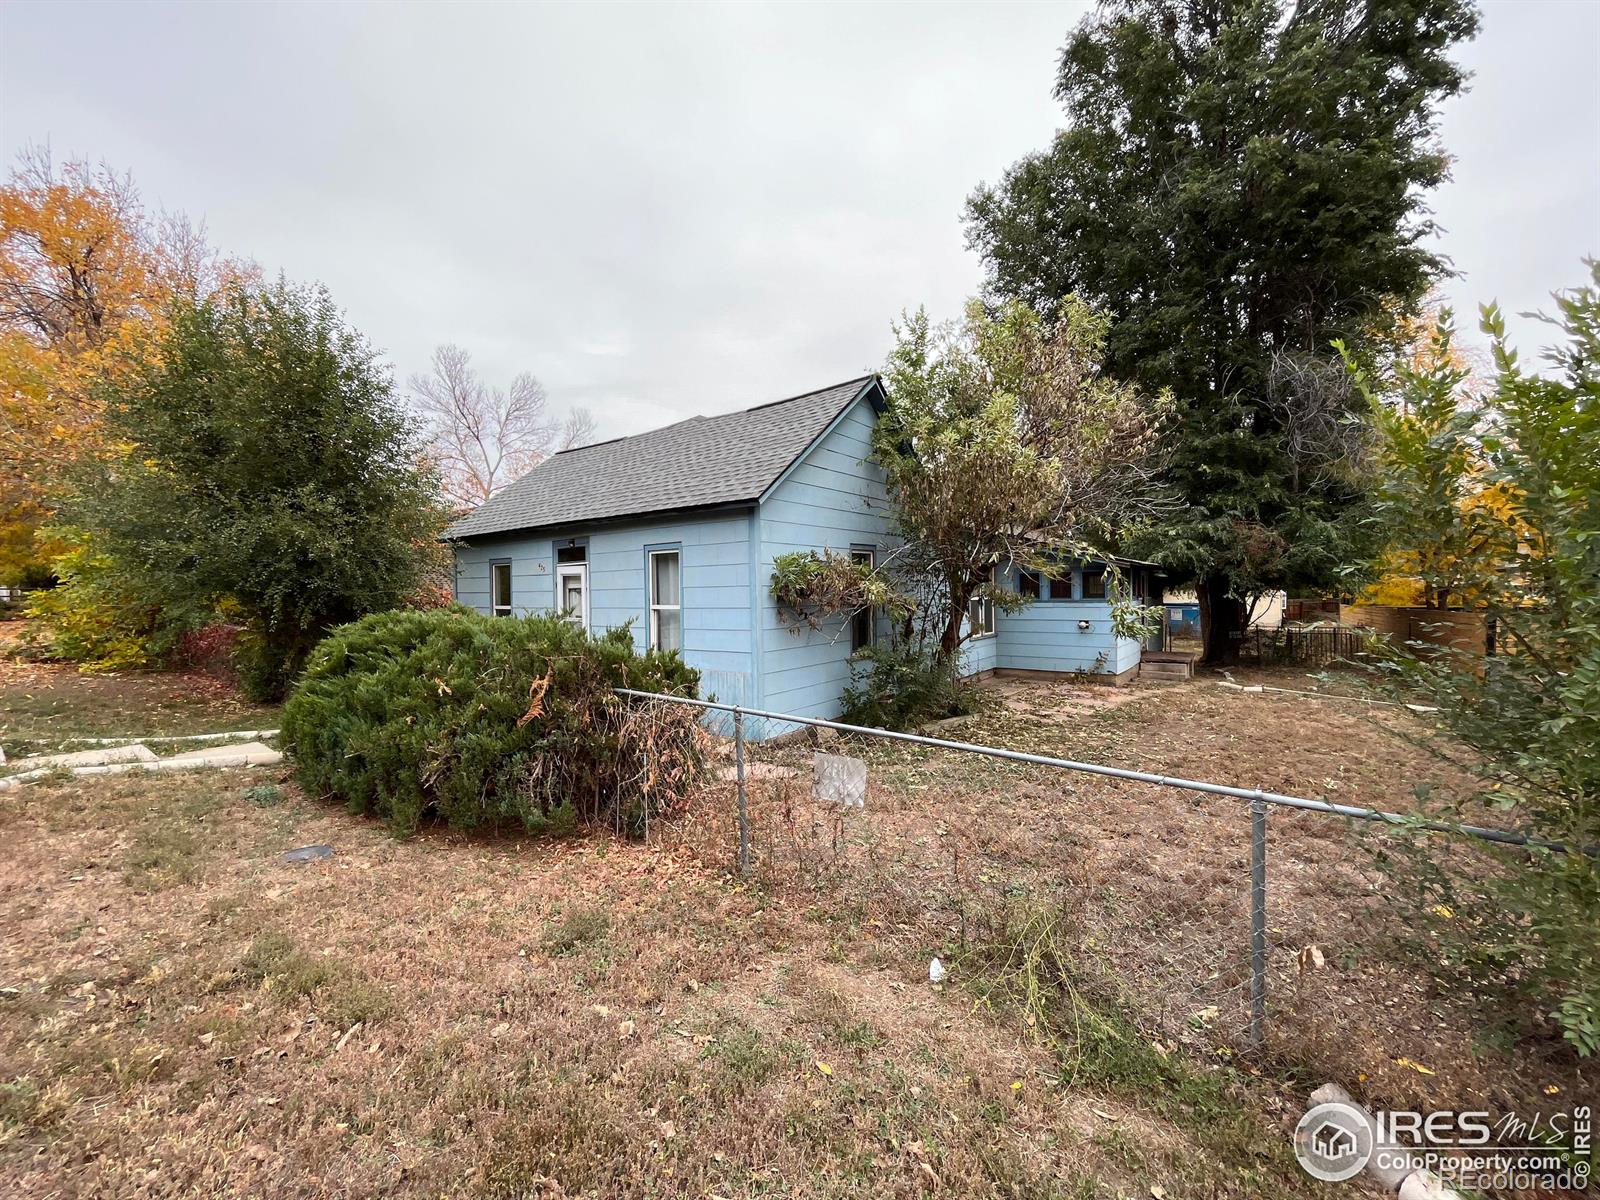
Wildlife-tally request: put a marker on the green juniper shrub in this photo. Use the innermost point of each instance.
(485, 721)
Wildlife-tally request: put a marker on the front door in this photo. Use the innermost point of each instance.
(572, 593)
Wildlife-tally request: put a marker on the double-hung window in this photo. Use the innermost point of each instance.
(980, 611)
(863, 619)
(500, 588)
(666, 599)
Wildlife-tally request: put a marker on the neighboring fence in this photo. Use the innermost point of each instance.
(1464, 630)
(1312, 646)
(1310, 609)
(1347, 640)
(948, 830)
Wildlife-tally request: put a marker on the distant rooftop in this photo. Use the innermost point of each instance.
(697, 463)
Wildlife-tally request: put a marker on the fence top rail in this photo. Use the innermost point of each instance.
(1503, 836)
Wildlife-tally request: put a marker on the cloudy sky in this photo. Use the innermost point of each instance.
(661, 209)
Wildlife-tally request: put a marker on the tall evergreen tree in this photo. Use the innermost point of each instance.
(1242, 182)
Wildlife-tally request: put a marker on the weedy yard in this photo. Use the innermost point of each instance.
(182, 1012)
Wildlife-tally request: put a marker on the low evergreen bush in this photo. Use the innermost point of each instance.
(902, 684)
(483, 721)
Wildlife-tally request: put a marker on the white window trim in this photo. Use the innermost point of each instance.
(985, 604)
(581, 570)
(655, 608)
(869, 555)
(496, 609)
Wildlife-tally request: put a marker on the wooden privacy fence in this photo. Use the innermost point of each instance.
(1465, 630)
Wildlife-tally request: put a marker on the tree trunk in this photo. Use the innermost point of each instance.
(1222, 622)
(950, 639)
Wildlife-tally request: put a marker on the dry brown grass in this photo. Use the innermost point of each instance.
(192, 1016)
(42, 704)
(1156, 880)
(185, 1014)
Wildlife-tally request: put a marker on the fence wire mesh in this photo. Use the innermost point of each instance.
(1146, 890)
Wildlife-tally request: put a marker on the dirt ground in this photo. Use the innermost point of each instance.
(182, 1012)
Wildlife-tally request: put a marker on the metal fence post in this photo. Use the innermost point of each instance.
(744, 815)
(1258, 918)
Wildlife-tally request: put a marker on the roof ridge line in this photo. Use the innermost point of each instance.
(803, 395)
(717, 416)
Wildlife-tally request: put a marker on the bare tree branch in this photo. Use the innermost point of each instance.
(578, 429)
(481, 438)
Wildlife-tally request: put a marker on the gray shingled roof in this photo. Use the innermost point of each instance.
(727, 459)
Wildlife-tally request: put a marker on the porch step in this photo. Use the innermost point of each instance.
(1165, 670)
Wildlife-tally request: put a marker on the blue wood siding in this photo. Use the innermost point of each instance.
(980, 654)
(1045, 636)
(715, 587)
(532, 586)
(832, 498)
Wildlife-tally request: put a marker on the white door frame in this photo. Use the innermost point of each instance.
(565, 571)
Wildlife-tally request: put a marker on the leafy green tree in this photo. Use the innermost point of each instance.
(1532, 712)
(268, 464)
(1447, 530)
(1004, 441)
(1241, 183)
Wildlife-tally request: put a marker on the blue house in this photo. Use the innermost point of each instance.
(675, 530)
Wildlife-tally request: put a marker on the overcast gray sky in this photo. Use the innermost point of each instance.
(664, 209)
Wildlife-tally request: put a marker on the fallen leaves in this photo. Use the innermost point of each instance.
(1414, 1065)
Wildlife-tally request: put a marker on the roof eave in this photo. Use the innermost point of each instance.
(636, 518)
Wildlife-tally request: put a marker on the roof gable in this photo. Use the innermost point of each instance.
(702, 462)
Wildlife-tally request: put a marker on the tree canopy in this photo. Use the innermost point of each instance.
(480, 438)
(86, 276)
(269, 466)
(1443, 518)
(1240, 184)
(1004, 441)
(1531, 562)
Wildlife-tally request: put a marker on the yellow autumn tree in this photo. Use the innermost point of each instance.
(86, 277)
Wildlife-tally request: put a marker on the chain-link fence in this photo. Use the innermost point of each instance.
(1204, 908)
